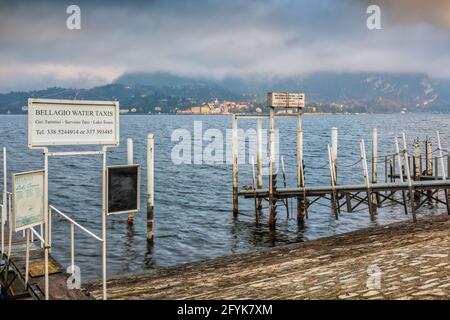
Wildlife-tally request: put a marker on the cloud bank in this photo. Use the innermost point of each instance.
(213, 38)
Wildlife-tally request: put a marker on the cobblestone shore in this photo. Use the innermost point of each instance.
(400, 261)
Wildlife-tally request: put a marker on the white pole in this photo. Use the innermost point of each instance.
(8, 205)
(50, 228)
(405, 156)
(46, 245)
(408, 176)
(72, 246)
(364, 161)
(130, 161)
(441, 156)
(5, 205)
(104, 222)
(397, 149)
(150, 185)
(259, 151)
(234, 147)
(374, 154)
(130, 151)
(334, 144)
(272, 217)
(27, 257)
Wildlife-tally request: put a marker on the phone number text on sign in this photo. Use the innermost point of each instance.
(71, 122)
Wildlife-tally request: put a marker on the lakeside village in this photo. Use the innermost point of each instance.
(217, 107)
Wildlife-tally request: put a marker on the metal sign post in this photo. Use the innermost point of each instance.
(289, 101)
(72, 122)
(5, 205)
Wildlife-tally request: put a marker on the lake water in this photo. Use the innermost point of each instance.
(193, 216)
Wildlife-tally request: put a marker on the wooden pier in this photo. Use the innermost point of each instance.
(412, 260)
(403, 174)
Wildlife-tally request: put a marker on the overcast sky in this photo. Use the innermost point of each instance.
(217, 38)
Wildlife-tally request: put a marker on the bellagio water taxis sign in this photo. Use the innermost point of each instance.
(286, 100)
(72, 122)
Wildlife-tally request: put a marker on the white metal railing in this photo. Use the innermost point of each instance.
(73, 224)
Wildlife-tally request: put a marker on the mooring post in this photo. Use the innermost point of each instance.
(375, 196)
(408, 176)
(416, 165)
(366, 179)
(334, 149)
(254, 185)
(448, 165)
(283, 172)
(332, 179)
(428, 163)
(444, 177)
(234, 148)
(401, 175)
(416, 159)
(334, 154)
(301, 203)
(150, 185)
(130, 162)
(441, 156)
(272, 200)
(259, 158)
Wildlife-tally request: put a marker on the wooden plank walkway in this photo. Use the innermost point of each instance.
(323, 190)
(57, 281)
(413, 259)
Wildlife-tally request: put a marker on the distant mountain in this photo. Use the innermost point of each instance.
(378, 92)
(354, 92)
(143, 98)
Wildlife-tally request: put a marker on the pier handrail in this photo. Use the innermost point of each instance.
(37, 235)
(53, 208)
(73, 223)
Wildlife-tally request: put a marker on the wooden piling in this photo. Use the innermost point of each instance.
(4, 206)
(259, 158)
(334, 149)
(334, 154)
(444, 177)
(408, 176)
(301, 203)
(333, 185)
(150, 186)
(272, 200)
(401, 174)
(416, 160)
(366, 179)
(234, 147)
(416, 165)
(130, 152)
(375, 198)
(429, 163)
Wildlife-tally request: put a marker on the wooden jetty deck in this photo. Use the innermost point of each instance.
(413, 259)
(15, 277)
(316, 191)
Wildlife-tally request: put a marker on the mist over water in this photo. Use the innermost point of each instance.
(193, 203)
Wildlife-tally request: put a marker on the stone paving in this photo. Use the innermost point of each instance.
(401, 261)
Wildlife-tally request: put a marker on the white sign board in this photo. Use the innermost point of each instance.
(286, 100)
(72, 122)
(28, 199)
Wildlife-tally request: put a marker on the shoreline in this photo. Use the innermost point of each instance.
(413, 259)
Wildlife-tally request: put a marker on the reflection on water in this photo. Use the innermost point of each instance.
(193, 217)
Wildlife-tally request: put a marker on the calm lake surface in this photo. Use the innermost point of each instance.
(193, 202)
